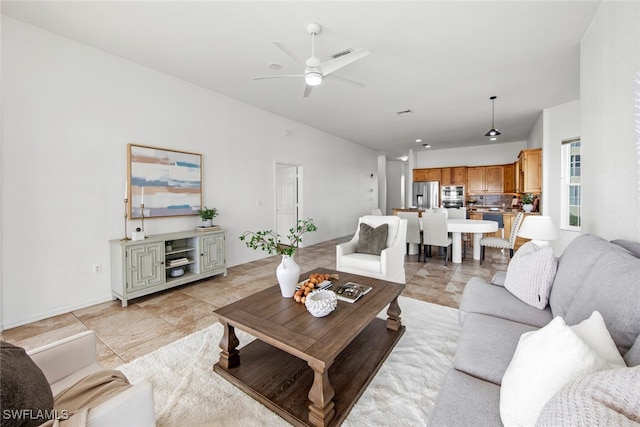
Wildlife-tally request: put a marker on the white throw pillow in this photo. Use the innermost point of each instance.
(593, 331)
(544, 361)
(530, 274)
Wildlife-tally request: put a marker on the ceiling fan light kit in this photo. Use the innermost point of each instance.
(314, 69)
(493, 132)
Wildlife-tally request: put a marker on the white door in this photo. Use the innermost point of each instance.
(286, 199)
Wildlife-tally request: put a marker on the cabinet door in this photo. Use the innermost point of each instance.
(418, 175)
(145, 266)
(212, 252)
(475, 180)
(532, 165)
(510, 178)
(433, 174)
(494, 176)
(447, 176)
(459, 175)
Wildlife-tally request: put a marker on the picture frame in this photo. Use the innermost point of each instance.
(163, 182)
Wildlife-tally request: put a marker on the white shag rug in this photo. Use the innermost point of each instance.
(188, 393)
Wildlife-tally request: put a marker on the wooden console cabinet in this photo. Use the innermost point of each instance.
(142, 267)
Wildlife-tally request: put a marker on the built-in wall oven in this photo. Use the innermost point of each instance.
(452, 196)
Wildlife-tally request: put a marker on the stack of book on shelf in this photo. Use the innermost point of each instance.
(178, 261)
(209, 228)
(351, 292)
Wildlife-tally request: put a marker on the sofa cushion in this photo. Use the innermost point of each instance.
(485, 298)
(631, 246)
(574, 265)
(606, 398)
(464, 401)
(372, 240)
(544, 361)
(613, 289)
(486, 346)
(23, 386)
(632, 357)
(530, 274)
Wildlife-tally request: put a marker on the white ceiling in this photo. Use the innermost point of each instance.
(440, 59)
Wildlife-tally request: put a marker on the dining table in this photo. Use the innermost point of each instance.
(476, 226)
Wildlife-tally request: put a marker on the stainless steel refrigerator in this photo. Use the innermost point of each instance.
(426, 194)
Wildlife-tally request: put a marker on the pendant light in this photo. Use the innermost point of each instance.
(493, 132)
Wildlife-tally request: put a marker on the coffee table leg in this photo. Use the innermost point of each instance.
(229, 356)
(393, 321)
(321, 410)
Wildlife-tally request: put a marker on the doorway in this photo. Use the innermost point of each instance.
(287, 198)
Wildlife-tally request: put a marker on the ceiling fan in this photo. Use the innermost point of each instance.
(315, 70)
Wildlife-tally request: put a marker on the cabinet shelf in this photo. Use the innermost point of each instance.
(180, 250)
(169, 267)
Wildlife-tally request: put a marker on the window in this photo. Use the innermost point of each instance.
(571, 185)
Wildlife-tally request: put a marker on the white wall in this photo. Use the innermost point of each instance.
(490, 154)
(535, 138)
(68, 112)
(561, 122)
(609, 60)
(395, 169)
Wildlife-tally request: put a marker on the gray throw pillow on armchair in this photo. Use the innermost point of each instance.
(372, 240)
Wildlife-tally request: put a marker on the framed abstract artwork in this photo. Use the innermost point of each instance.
(163, 182)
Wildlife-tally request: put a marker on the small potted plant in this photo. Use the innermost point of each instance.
(207, 216)
(288, 272)
(527, 202)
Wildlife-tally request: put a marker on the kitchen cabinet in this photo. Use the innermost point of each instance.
(454, 176)
(143, 267)
(431, 174)
(485, 179)
(509, 178)
(529, 171)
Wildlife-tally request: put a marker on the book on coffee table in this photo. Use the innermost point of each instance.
(351, 292)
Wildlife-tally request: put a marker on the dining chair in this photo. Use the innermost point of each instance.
(497, 217)
(497, 242)
(435, 234)
(376, 211)
(413, 230)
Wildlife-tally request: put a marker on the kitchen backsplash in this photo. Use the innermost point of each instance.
(495, 200)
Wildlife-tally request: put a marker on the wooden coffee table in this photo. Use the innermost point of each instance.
(309, 370)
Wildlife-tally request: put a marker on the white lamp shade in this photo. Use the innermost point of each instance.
(536, 227)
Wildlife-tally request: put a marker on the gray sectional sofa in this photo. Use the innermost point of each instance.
(592, 274)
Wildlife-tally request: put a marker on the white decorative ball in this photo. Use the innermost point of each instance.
(322, 302)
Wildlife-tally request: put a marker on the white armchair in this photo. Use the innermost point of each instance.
(69, 360)
(389, 265)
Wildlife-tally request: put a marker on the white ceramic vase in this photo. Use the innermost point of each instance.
(527, 208)
(288, 273)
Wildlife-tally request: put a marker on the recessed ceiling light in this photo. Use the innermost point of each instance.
(426, 145)
(418, 140)
(275, 66)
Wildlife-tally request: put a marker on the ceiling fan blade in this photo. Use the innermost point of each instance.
(335, 64)
(307, 91)
(289, 53)
(345, 80)
(278, 76)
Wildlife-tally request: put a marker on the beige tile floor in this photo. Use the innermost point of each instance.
(151, 322)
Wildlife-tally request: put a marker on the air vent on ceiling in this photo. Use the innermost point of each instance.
(343, 53)
(404, 113)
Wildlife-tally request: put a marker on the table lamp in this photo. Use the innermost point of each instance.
(539, 229)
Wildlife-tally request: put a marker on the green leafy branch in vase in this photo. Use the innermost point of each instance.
(269, 240)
